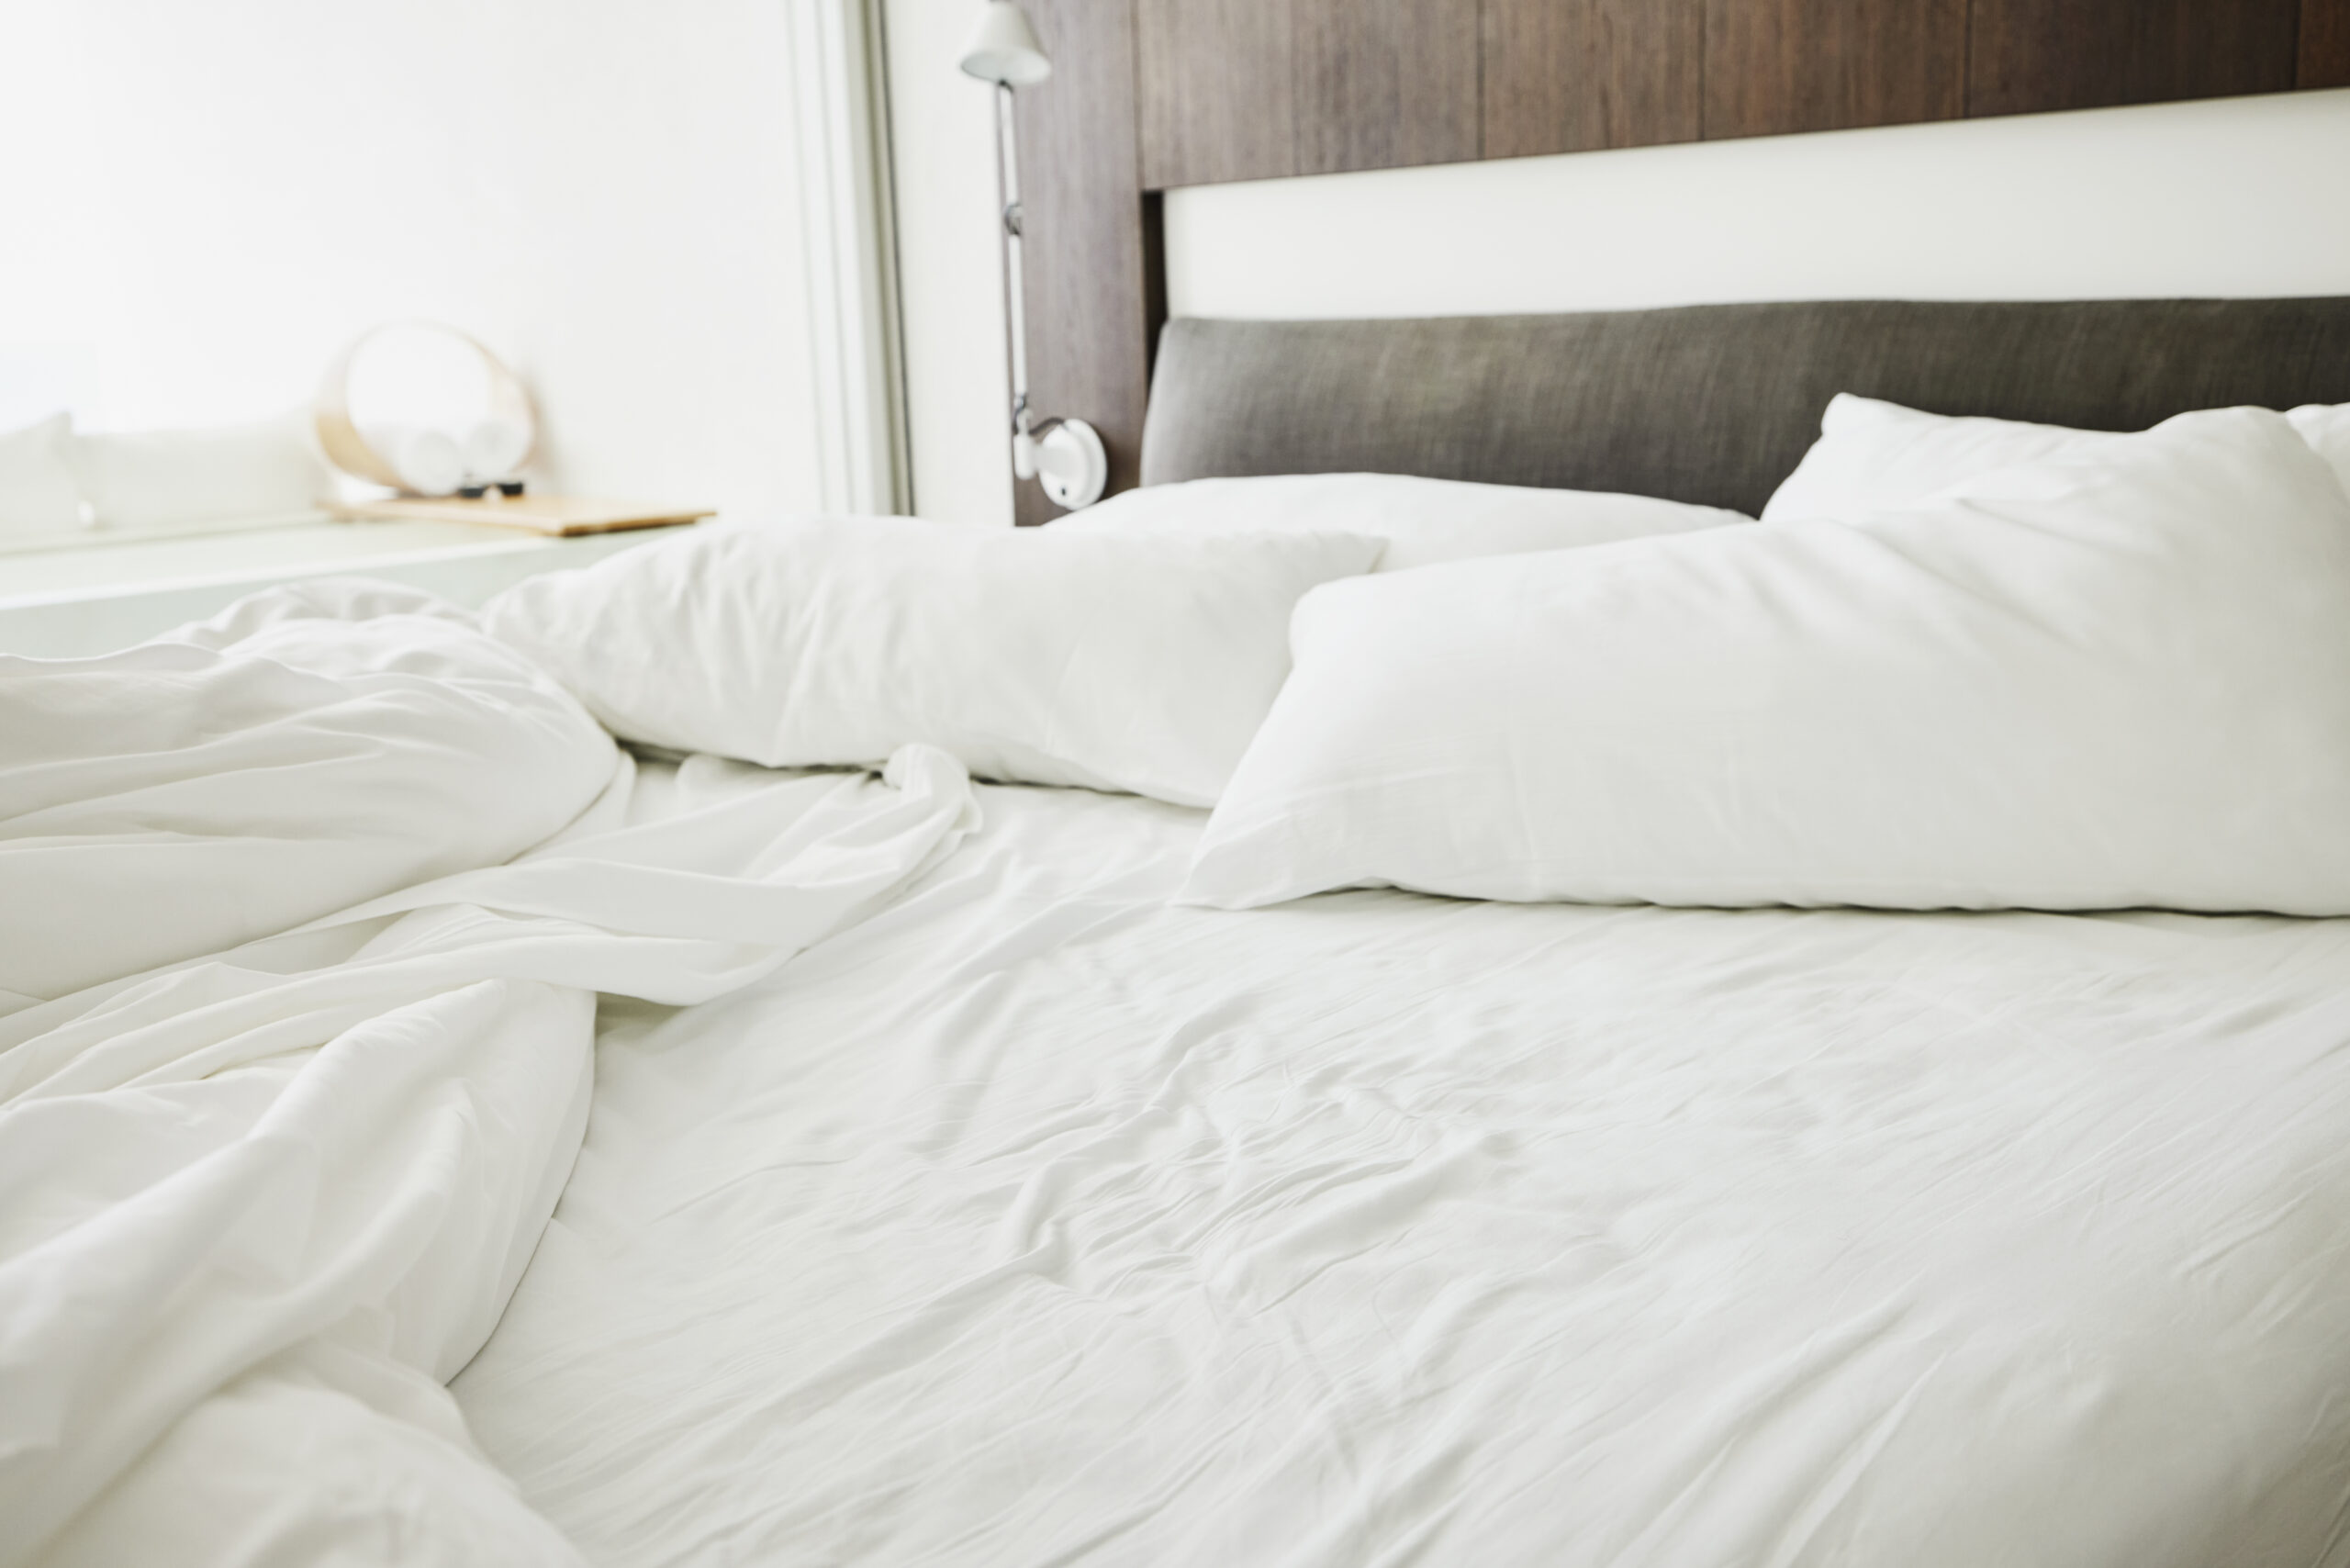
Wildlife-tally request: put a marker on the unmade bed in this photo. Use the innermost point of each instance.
(596, 1081)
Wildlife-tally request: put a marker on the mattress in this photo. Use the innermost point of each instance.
(1034, 1221)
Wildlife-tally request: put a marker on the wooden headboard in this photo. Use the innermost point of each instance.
(1147, 95)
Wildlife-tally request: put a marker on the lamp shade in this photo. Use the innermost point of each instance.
(1003, 48)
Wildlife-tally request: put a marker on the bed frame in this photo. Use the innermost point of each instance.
(1710, 403)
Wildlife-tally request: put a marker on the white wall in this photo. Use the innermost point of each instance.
(2244, 196)
(950, 265)
(205, 201)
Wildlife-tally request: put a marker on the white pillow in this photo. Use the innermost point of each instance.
(2118, 677)
(1875, 456)
(1117, 661)
(2326, 427)
(39, 499)
(1422, 520)
(161, 480)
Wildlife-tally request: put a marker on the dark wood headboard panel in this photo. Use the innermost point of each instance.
(1151, 93)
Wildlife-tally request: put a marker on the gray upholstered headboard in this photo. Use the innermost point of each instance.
(1711, 403)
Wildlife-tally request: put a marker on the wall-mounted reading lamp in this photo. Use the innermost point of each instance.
(1065, 455)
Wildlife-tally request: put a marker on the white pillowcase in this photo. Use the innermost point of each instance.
(1422, 520)
(2118, 677)
(1875, 456)
(2326, 427)
(39, 499)
(161, 481)
(1112, 660)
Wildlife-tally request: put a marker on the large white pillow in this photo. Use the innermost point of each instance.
(147, 481)
(38, 498)
(1875, 456)
(1114, 660)
(2118, 677)
(2326, 427)
(1422, 520)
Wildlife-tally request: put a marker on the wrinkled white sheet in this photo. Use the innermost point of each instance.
(1034, 1222)
(256, 1208)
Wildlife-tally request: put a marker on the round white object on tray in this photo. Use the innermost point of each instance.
(494, 450)
(427, 461)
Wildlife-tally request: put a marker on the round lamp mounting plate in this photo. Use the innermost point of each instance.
(1071, 464)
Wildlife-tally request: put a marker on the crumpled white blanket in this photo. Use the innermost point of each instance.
(256, 1206)
(310, 748)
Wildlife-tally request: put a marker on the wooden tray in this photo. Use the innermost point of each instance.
(561, 515)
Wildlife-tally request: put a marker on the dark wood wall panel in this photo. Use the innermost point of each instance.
(1778, 66)
(1383, 83)
(1578, 75)
(1248, 89)
(1217, 83)
(1090, 270)
(1245, 89)
(2027, 56)
(2325, 44)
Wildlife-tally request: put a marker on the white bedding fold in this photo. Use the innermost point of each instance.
(310, 747)
(256, 1208)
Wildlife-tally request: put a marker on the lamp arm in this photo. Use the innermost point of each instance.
(1065, 454)
(1015, 315)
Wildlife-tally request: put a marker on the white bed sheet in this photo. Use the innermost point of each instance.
(1033, 1221)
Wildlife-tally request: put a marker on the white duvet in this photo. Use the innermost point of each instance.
(258, 1205)
(1031, 1221)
